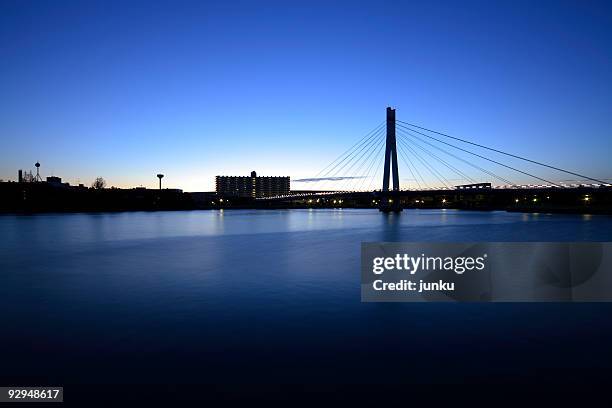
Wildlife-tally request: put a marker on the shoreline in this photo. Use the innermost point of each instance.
(548, 211)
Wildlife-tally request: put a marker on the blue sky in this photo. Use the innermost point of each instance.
(127, 89)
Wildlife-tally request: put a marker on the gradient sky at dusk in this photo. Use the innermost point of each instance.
(127, 89)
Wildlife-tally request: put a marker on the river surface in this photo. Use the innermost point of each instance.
(235, 297)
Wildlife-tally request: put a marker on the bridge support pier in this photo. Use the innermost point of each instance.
(390, 200)
(390, 203)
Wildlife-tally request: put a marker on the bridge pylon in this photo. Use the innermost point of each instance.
(390, 200)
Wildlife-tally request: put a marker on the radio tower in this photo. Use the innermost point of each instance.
(37, 178)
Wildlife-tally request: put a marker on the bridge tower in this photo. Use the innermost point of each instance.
(390, 200)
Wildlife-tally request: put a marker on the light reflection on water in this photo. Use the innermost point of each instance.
(271, 295)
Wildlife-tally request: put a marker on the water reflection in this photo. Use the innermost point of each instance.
(237, 295)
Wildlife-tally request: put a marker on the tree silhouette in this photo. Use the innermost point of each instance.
(99, 183)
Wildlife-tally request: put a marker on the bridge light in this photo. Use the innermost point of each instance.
(334, 201)
(443, 200)
(535, 199)
(516, 200)
(587, 198)
(310, 201)
(221, 200)
(317, 200)
(390, 200)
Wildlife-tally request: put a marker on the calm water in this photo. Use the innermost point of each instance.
(272, 296)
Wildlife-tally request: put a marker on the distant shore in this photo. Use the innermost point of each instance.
(576, 211)
(42, 197)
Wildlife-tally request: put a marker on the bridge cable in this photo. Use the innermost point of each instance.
(368, 169)
(362, 163)
(486, 158)
(452, 168)
(366, 139)
(407, 161)
(355, 155)
(348, 154)
(373, 161)
(507, 154)
(355, 146)
(443, 180)
(379, 165)
(367, 160)
(400, 149)
(410, 134)
(431, 169)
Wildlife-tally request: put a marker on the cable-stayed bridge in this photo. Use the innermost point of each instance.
(436, 163)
